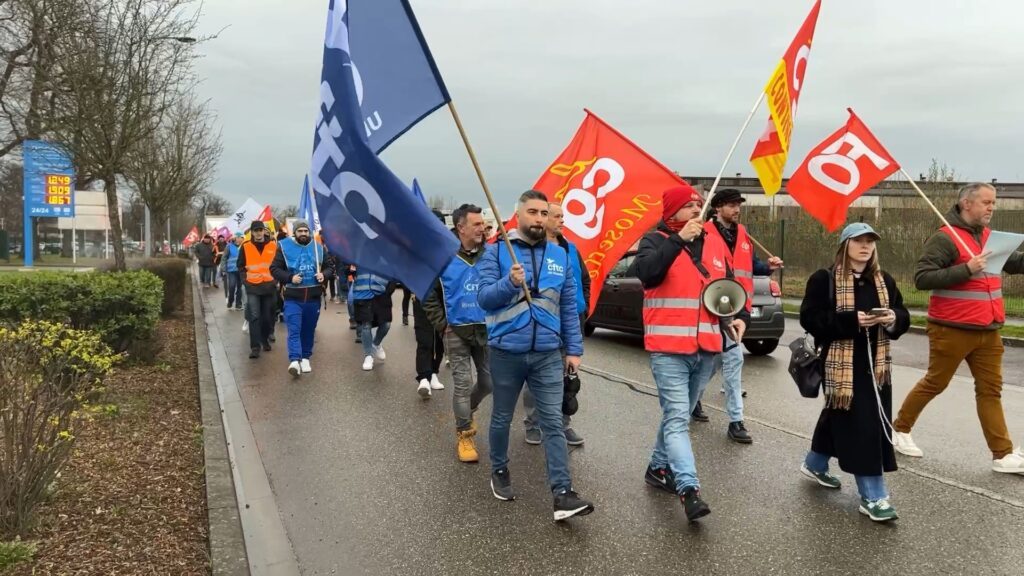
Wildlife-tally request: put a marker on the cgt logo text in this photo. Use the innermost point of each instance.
(471, 286)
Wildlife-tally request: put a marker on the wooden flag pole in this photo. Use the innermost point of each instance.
(487, 192)
(936, 210)
(735, 143)
(759, 245)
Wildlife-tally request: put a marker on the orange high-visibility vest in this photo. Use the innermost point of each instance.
(257, 264)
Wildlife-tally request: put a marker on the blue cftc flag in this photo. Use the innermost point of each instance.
(368, 215)
(396, 79)
(307, 207)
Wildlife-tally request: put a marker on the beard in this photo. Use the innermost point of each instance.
(302, 239)
(535, 233)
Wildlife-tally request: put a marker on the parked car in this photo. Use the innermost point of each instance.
(620, 307)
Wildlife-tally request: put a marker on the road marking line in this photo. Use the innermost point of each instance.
(649, 390)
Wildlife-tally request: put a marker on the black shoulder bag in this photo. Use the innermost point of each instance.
(805, 365)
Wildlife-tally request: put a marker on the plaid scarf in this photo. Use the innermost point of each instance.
(838, 381)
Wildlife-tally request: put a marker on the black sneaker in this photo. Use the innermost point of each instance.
(569, 504)
(272, 338)
(266, 346)
(405, 320)
(661, 478)
(738, 433)
(695, 507)
(254, 353)
(699, 415)
(501, 485)
(351, 324)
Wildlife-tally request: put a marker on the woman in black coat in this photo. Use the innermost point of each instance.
(843, 307)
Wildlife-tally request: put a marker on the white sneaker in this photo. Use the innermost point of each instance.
(1019, 451)
(904, 444)
(1009, 464)
(294, 368)
(245, 326)
(368, 363)
(435, 384)
(378, 352)
(424, 389)
(304, 365)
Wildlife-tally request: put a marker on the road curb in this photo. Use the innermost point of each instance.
(227, 543)
(268, 547)
(1007, 341)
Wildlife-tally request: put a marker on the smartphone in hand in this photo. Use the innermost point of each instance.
(878, 312)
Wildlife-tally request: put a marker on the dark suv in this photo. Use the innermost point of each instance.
(621, 304)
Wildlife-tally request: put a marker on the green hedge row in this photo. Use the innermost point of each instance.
(122, 307)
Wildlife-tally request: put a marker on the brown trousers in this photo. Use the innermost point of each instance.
(947, 348)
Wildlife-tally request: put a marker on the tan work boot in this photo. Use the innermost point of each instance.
(466, 446)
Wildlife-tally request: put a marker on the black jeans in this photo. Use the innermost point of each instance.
(406, 297)
(429, 344)
(261, 318)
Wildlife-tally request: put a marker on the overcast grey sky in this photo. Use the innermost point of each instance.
(931, 79)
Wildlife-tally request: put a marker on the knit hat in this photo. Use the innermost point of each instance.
(675, 198)
(300, 224)
(257, 225)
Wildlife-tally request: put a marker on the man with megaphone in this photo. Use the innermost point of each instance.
(689, 299)
(725, 224)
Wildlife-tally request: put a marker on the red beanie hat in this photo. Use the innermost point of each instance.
(675, 198)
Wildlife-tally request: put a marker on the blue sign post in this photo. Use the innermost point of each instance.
(49, 187)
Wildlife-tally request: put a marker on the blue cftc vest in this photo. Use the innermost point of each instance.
(574, 261)
(232, 263)
(460, 282)
(545, 291)
(302, 260)
(367, 286)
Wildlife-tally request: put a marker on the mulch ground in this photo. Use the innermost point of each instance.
(132, 498)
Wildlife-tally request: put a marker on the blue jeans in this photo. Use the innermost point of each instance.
(350, 304)
(870, 487)
(542, 373)
(371, 341)
(731, 365)
(206, 274)
(681, 379)
(301, 319)
(234, 287)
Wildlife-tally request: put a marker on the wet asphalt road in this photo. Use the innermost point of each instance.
(366, 479)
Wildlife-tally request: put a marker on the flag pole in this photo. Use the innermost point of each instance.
(936, 210)
(487, 191)
(736, 142)
(759, 245)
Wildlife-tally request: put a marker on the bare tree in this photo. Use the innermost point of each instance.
(117, 77)
(177, 162)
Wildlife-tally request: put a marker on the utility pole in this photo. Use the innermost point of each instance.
(148, 235)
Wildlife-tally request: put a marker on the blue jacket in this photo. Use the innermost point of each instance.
(535, 330)
(368, 286)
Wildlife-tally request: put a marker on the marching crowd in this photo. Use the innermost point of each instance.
(510, 321)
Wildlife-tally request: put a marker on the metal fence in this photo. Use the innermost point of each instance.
(806, 246)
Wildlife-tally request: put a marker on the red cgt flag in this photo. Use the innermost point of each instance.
(610, 193)
(838, 171)
(192, 237)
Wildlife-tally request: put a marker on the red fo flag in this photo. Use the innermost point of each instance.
(838, 171)
(610, 193)
(192, 237)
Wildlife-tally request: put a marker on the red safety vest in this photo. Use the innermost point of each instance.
(257, 264)
(675, 320)
(741, 260)
(976, 302)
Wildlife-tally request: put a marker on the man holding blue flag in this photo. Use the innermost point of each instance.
(368, 216)
(526, 333)
(299, 266)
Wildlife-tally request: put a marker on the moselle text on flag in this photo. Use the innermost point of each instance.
(396, 81)
(838, 171)
(610, 193)
(368, 215)
(782, 94)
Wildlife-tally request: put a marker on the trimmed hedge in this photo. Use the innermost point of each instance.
(171, 270)
(122, 307)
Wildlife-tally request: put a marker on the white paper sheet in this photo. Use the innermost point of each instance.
(1001, 245)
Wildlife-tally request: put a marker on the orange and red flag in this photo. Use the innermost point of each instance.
(191, 238)
(610, 193)
(838, 171)
(782, 93)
